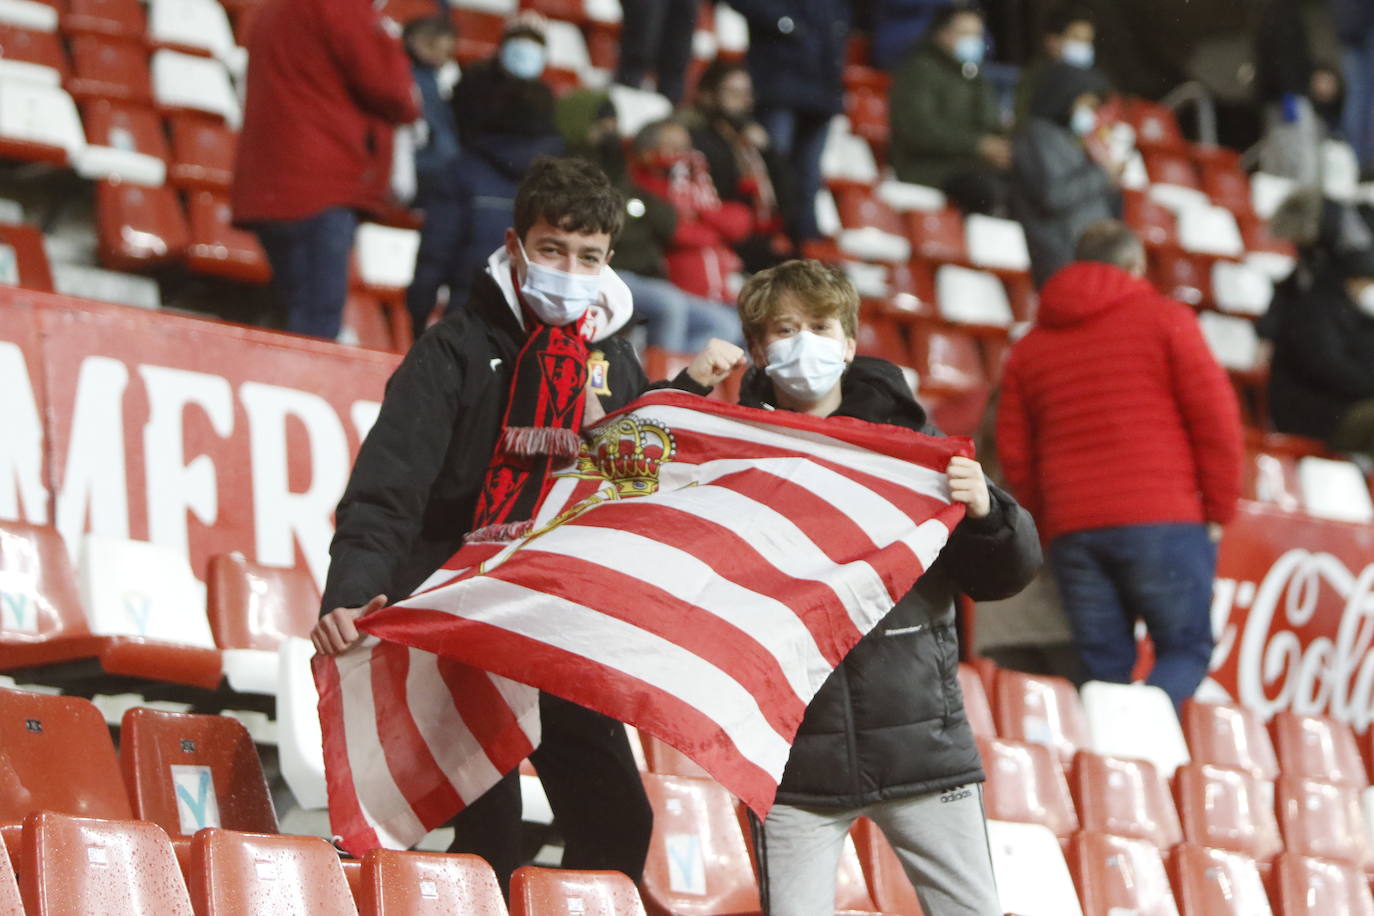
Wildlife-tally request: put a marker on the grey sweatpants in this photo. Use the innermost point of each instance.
(940, 838)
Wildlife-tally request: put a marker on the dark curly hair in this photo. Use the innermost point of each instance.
(572, 194)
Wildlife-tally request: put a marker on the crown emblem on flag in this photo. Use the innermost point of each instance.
(631, 451)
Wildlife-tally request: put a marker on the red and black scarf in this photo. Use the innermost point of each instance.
(541, 425)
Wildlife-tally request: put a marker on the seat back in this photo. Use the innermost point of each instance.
(1317, 746)
(57, 755)
(937, 235)
(1226, 809)
(299, 739)
(1172, 169)
(887, 881)
(38, 596)
(1134, 720)
(39, 123)
(1025, 784)
(695, 824)
(23, 260)
(32, 55)
(1152, 221)
(77, 866)
(1323, 819)
(124, 126)
(967, 296)
(111, 68)
(1155, 125)
(123, 18)
(947, 360)
(1229, 735)
(1119, 875)
(550, 891)
(245, 874)
(185, 772)
(1126, 798)
(395, 883)
(1180, 275)
(198, 25)
(1042, 710)
(1211, 230)
(976, 705)
(184, 82)
(1233, 341)
(1310, 886)
(252, 606)
(135, 588)
(1337, 490)
(386, 256)
(1032, 876)
(203, 153)
(11, 903)
(1216, 882)
(1241, 288)
(1228, 186)
(995, 243)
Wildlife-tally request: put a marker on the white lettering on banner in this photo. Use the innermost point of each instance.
(1274, 670)
(22, 492)
(175, 485)
(94, 481)
(281, 517)
(364, 415)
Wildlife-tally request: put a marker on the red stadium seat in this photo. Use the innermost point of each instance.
(859, 209)
(79, 865)
(29, 268)
(947, 359)
(1155, 126)
(1152, 221)
(567, 10)
(1319, 887)
(868, 116)
(44, 622)
(1117, 875)
(937, 235)
(11, 904)
(697, 862)
(116, 18)
(202, 153)
(1041, 710)
(1230, 736)
(1257, 237)
(138, 228)
(1320, 747)
(370, 322)
(217, 247)
(666, 760)
(1323, 819)
(110, 68)
(246, 874)
(1228, 187)
(185, 772)
(1216, 882)
(392, 883)
(40, 49)
(252, 606)
(976, 705)
(1126, 798)
(479, 33)
(124, 126)
(1172, 168)
(881, 335)
(887, 880)
(352, 871)
(1026, 785)
(551, 891)
(1182, 276)
(1226, 809)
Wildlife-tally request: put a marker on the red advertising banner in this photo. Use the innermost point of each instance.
(23, 472)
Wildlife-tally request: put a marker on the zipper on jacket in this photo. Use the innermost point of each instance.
(851, 739)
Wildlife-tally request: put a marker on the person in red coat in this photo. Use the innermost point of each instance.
(327, 81)
(1121, 434)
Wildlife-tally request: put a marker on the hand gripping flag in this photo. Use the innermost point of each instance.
(698, 572)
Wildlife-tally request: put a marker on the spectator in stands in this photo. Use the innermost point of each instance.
(947, 129)
(743, 166)
(430, 42)
(701, 259)
(1354, 21)
(1069, 35)
(1121, 434)
(1283, 77)
(796, 58)
(426, 474)
(505, 118)
(1321, 381)
(674, 320)
(886, 736)
(1060, 185)
(327, 80)
(1327, 92)
(897, 25)
(656, 37)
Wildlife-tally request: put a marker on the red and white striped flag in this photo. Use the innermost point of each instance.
(698, 573)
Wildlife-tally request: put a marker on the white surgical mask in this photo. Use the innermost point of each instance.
(969, 49)
(1077, 54)
(557, 297)
(806, 365)
(523, 58)
(1365, 300)
(1083, 120)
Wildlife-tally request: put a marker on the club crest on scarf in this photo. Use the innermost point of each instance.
(564, 369)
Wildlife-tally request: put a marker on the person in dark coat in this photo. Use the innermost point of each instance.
(1070, 34)
(1059, 188)
(1321, 380)
(656, 37)
(796, 58)
(428, 474)
(886, 736)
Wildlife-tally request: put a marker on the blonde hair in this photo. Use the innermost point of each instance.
(821, 290)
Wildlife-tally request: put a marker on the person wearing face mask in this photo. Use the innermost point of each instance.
(1321, 380)
(1059, 187)
(886, 737)
(487, 400)
(1070, 34)
(947, 129)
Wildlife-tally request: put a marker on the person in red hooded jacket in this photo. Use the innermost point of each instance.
(1121, 434)
(327, 81)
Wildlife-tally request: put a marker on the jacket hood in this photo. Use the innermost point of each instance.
(611, 312)
(1060, 87)
(1082, 290)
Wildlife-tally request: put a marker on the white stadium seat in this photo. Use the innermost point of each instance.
(1134, 720)
(1268, 191)
(1334, 489)
(29, 14)
(1233, 341)
(300, 742)
(24, 71)
(134, 588)
(1135, 177)
(606, 11)
(971, 296)
(200, 24)
(1273, 265)
(386, 255)
(1340, 171)
(871, 280)
(1178, 198)
(566, 46)
(1241, 288)
(187, 82)
(95, 163)
(847, 157)
(732, 31)
(1209, 229)
(996, 243)
(635, 108)
(42, 115)
(872, 244)
(905, 198)
(1032, 876)
(105, 285)
(827, 215)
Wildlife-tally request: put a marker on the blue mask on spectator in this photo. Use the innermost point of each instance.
(523, 58)
(969, 49)
(1083, 120)
(1077, 54)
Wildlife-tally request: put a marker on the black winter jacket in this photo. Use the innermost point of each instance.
(889, 723)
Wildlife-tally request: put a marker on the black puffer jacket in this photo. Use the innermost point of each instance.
(889, 722)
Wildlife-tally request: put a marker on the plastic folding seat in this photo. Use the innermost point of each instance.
(732, 32)
(996, 244)
(881, 335)
(1241, 289)
(550, 891)
(196, 26)
(78, 866)
(1340, 171)
(38, 123)
(125, 126)
(872, 231)
(1229, 735)
(911, 291)
(1117, 875)
(1126, 798)
(1272, 256)
(253, 606)
(847, 159)
(887, 881)
(1172, 169)
(1032, 877)
(976, 705)
(41, 618)
(1227, 809)
(11, 904)
(697, 862)
(139, 228)
(1180, 275)
(1228, 187)
(1153, 222)
(236, 873)
(1041, 710)
(202, 153)
(385, 257)
(867, 110)
(1155, 126)
(1025, 784)
(185, 82)
(1134, 720)
(1216, 882)
(392, 883)
(110, 68)
(186, 771)
(947, 359)
(1210, 230)
(904, 197)
(25, 263)
(1320, 747)
(1323, 819)
(217, 247)
(937, 235)
(34, 56)
(1310, 886)
(117, 18)
(1336, 490)
(479, 32)
(370, 322)
(57, 755)
(1268, 191)
(666, 760)
(974, 297)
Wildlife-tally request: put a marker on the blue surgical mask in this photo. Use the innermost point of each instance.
(555, 296)
(1077, 54)
(969, 49)
(1083, 120)
(523, 58)
(806, 365)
